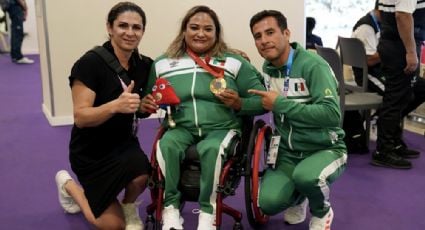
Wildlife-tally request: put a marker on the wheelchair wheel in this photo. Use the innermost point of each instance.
(154, 210)
(156, 187)
(237, 226)
(255, 164)
(152, 223)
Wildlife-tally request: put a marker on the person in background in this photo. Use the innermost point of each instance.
(311, 39)
(18, 11)
(302, 94)
(104, 150)
(367, 29)
(212, 83)
(2, 20)
(402, 33)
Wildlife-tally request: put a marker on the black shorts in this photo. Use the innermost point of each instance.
(105, 177)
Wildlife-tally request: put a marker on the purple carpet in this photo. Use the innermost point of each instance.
(31, 152)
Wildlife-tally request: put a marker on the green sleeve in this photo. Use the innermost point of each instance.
(151, 80)
(249, 78)
(323, 109)
(148, 89)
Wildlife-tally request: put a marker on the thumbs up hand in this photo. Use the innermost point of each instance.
(128, 102)
(130, 87)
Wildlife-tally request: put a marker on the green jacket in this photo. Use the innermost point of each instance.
(308, 118)
(199, 109)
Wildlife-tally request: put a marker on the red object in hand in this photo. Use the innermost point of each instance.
(164, 93)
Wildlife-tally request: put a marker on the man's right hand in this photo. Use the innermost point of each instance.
(267, 97)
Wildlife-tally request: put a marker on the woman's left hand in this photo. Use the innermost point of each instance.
(148, 104)
(230, 98)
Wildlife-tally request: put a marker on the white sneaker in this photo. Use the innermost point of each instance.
(24, 60)
(206, 221)
(323, 223)
(132, 217)
(171, 218)
(66, 201)
(296, 214)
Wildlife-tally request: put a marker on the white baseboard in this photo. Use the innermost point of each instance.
(57, 120)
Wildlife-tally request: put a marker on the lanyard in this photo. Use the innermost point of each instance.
(216, 72)
(288, 71)
(123, 85)
(375, 21)
(135, 123)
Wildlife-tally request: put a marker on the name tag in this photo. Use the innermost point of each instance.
(273, 151)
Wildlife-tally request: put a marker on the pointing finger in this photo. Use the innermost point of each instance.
(258, 92)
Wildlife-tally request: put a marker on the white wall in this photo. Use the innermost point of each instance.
(30, 44)
(69, 28)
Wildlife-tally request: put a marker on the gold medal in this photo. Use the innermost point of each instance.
(218, 85)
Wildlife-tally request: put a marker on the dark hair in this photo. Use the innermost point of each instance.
(280, 18)
(376, 5)
(178, 46)
(311, 23)
(122, 7)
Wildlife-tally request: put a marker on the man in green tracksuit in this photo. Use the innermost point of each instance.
(303, 98)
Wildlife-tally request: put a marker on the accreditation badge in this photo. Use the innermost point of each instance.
(273, 150)
(218, 85)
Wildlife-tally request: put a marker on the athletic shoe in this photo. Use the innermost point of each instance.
(171, 218)
(24, 60)
(206, 221)
(66, 201)
(132, 217)
(323, 223)
(390, 160)
(406, 153)
(296, 214)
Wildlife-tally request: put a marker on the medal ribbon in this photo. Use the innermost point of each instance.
(215, 71)
(135, 124)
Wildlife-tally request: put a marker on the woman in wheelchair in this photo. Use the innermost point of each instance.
(211, 83)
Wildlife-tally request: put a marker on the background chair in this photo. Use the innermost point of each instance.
(356, 100)
(353, 53)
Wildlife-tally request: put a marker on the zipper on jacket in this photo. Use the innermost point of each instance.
(290, 137)
(192, 93)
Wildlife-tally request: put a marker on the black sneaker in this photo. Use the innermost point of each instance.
(390, 160)
(407, 153)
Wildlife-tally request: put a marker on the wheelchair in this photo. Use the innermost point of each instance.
(230, 178)
(255, 166)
